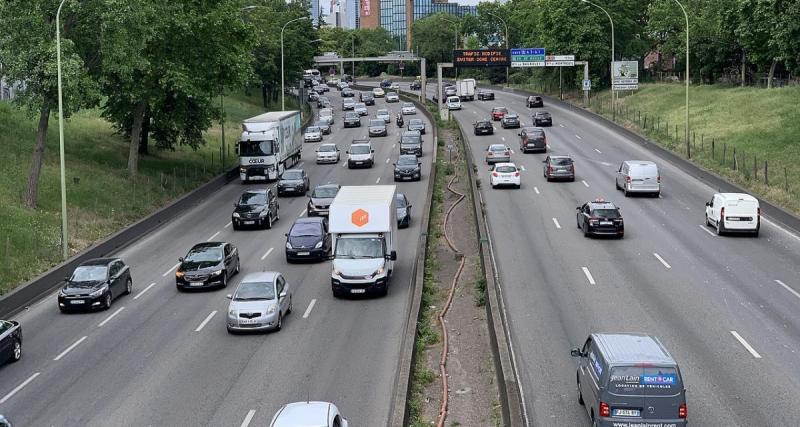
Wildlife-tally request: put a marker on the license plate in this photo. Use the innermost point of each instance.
(195, 283)
(605, 222)
(77, 301)
(304, 253)
(357, 291)
(248, 222)
(358, 163)
(627, 412)
(407, 177)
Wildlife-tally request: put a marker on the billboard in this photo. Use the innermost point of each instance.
(481, 58)
(625, 75)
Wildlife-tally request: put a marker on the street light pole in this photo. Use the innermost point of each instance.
(283, 104)
(611, 65)
(507, 46)
(64, 235)
(685, 15)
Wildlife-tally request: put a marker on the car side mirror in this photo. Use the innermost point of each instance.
(578, 208)
(490, 168)
(283, 294)
(575, 352)
(409, 205)
(286, 234)
(395, 164)
(66, 278)
(544, 161)
(347, 152)
(708, 204)
(393, 256)
(371, 151)
(180, 259)
(229, 296)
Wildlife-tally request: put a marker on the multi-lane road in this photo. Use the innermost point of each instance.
(164, 358)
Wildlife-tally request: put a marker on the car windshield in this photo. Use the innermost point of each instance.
(305, 229)
(327, 148)
(484, 125)
(255, 291)
(605, 213)
(400, 200)
(415, 122)
(204, 254)
(377, 122)
(349, 101)
(407, 161)
(561, 161)
(499, 110)
(250, 199)
(391, 94)
(324, 192)
(292, 175)
(497, 148)
(543, 115)
(505, 169)
(361, 105)
(350, 115)
(382, 113)
(511, 116)
(325, 112)
(312, 129)
(640, 381)
(408, 105)
(89, 273)
(409, 139)
(366, 247)
(321, 124)
(255, 148)
(359, 149)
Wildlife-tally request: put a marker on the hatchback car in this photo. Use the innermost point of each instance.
(348, 93)
(510, 120)
(293, 181)
(377, 127)
(323, 102)
(308, 239)
(407, 168)
(559, 167)
(378, 92)
(485, 95)
(532, 139)
(361, 109)
(323, 126)
(367, 98)
(208, 264)
(417, 125)
(453, 103)
(600, 218)
(308, 414)
(319, 202)
(360, 154)
(348, 103)
(542, 118)
(384, 115)
(328, 153)
(94, 284)
(392, 97)
(408, 108)
(411, 143)
(313, 134)
(483, 127)
(498, 113)
(10, 341)
(534, 101)
(498, 153)
(259, 303)
(505, 175)
(403, 208)
(258, 208)
(638, 176)
(352, 119)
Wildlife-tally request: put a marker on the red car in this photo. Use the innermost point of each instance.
(498, 113)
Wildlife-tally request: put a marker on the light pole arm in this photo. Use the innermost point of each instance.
(685, 15)
(283, 90)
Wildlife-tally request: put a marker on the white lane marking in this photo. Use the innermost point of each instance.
(503, 138)
(344, 164)
(228, 224)
(705, 228)
(578, 136)
(378, 180)
(588, 275)
(474, 112)
(266, 254)
(64, 353)
(555, 221)
(605, 164)
(561, 124)
(585, 183)
(536, 189)
(662, 260)
(394, 145)
(213, 236)
(249, 417)
(598, 151)
(785, 286)
(310, 307)
(107, 319)
(144, 290)
(387, 160)
(207, 319)
(745, 344)
(522, 168)
(171, 270)
(300, 165)
(302, 212)
(18, 388)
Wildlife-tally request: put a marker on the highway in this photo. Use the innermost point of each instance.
(725, 307)
(163, 358)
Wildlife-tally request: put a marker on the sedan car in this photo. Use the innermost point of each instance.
(417, 125)
(10, 341)
(497, 153)
(259, 303)
(377, 127)
(542, 118)
(384, 115)
(407, 168)
(323, 102)
(532, 139)
(485, 95)
(600, 218)
(378, 92)
(403, 208)
(361, 109)
(498, 113)
(328, 153)
(483, 127)
(95, 284)
(348, 103)
(323, 126)
(313, 134)
(367, 98)
(510, 120)
(415, 85)
(505, 174)
(258, 208)
(352, 119)
(348, 93)
(394, 86)
(321, 198)
(392, 97)
(307, 413)
(408, 108)
(559, 167)
(308, 239)
(534, 101)
(208, 264)
(293, 181)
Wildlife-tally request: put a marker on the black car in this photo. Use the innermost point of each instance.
(352, 119)
(600, 218)
(417, 125)
(411, 143)
(308, 239)
(542, 118)
(293, 181)
(483, 127)
(403, 210)
(415, 85)
(485, 95)
(532, 139)
(377, 127)
(348, 93)
(95, 284)
(10, 341)
(347, 78)
(321, 198)
(258, 208)
(534, 101)
(324, 126)
(559, 167)
(368, 98)
(407, 168)
(385, 83)
(208, 264)
(510, 120)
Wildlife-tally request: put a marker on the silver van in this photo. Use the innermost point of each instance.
(638, 176)
(627, 380)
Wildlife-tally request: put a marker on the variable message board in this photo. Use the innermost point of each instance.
(481, 58)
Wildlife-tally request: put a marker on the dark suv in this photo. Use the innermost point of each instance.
(600, 218)
(483, 127)
(368, 98)
(258, 208)
(532, 139)
(535, 101)
(559, 167)
(542, 118)
(352, 119)
(411, 143)
(294, 181)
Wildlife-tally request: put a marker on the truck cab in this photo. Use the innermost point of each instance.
(269, 143)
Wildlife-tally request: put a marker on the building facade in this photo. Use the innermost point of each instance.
(398, 16)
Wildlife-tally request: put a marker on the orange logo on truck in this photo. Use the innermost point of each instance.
(360, 218)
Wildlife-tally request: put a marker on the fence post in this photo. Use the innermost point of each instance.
(766, 173)
(755, 167)
(734, 158)
(702, 141)
(676, 134)
(713, 153)
(724, 152)
(786, 178)
(645, 122)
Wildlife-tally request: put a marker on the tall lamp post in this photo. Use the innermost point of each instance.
(455, 45)
(64, 235)
(507, 46)
(283, 105)
(611, 65)
(685, 15)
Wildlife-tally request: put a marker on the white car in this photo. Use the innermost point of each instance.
(360, 108)
(409, 108)
(734, 213)
(384, 115)
(313, 134)
(360, 154)
(394, 86)
(392, 97)
(378, 92)
(505, 174)
(453, 103)
(308, 414)
(327, 115)
(328, 153)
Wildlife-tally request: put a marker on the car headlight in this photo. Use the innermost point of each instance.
(216, 273)
(271, 309)
(179, 274)
(236, 215)
(263, 213)
(337, 272)
(378, 272)
(99, 292)
(318, 245)
(232, 313)
(288, 245)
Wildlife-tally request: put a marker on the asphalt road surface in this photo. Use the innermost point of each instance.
(163, 358)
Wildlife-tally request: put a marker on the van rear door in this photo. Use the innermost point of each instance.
(741, 214)
(625, 396)
(663, 390)
(644, 176)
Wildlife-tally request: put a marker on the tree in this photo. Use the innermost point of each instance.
(431, 35)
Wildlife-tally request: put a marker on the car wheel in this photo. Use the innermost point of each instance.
(755, 233)
(616, 185)
(238, 266)
(107, 301)
(224, 280)
(625, 191)
(16, 354)
(719, 228)
(269, 222)
(128, 287)
(279, 326)
(519, 186)
(585, 231)
(289, 310)
(580, 394)
(235, 227)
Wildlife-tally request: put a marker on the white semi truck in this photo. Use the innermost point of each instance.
(363, 226)
(466, 89)
(270, 143)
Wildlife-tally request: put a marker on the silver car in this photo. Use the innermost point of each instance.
(385, 115)
(259, 303)
(409, 108)
(639, 176)
(392, 97)
(348, 103)
(313, 134)
(308, 414)
(498, 153)
(361, 109)
(328, 153)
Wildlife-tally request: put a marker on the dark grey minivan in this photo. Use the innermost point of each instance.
(628, 380)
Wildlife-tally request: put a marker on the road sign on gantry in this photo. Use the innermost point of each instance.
(481, 58)
(527, 57)
(559, 60)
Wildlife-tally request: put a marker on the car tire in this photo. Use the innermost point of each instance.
(16, 354)
(128, 286)
(289, 310)
(235, 227)
(585, 230)
(268, 224)
(519, 186)
(580, 394)
(720, 229)
(708, 223)
(755, 233)
(238, 266)
(616, 184)
(625, 191)
(279, 326)
(224, 280)
(107, 301)
(578, 222)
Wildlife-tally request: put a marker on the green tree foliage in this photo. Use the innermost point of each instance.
(434, 38)
(361, 42)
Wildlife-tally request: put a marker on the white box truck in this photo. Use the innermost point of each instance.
(466, 89)
(363, 226)
(270, 143)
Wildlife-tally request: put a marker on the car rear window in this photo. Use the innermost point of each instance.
(497, 148)
(505, 169)
(561, 161)
(638, 381)
(606, 213)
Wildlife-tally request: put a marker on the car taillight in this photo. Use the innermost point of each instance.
(722, 215)
(507, 153)
(758, 212)
(659, 179)
(516, 173)
(494, 174)
(628, 179)
(605, 411)
(682, 411)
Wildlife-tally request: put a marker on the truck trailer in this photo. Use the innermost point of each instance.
(466, 89)
(269, 143)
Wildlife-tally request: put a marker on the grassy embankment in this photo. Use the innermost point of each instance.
(101, 197)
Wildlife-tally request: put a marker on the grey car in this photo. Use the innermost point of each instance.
(377, 127)
(348, 103)
(559, 167)
(260, 303)
(313, 134)
(321, 198)
(294, 181)
(392, 97)
(384, 115)
(627, 380)
(498, 153)
(361, 109)
(324, 126)
(639, 176)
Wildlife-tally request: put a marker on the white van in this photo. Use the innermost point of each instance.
(638, 176)
(453, 103)
(734, 213)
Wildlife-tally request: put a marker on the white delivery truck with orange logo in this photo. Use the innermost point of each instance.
(364, 233)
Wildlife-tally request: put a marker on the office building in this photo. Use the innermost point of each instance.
(397, 16)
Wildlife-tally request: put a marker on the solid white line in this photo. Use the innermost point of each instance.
(705, 228)
(578, 136)
(18, 388)
(203, 324)
(267, 253)
(144, 290)
(503, 138)
(605, 164)
(171, 269)
(600, 152)
(387, 160)
(555, 221)
(585, 183)
(228, 224)
(746, 345)
(213, 236)
(310, 307)
(785, 286)
(107, 319)
(561, 124)
(302, 212)
(64, 353)
(300, 165)
(248, 417)
(522, 167)
(536, 189)
(662, 260)
(378, 180)
(588, 275)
